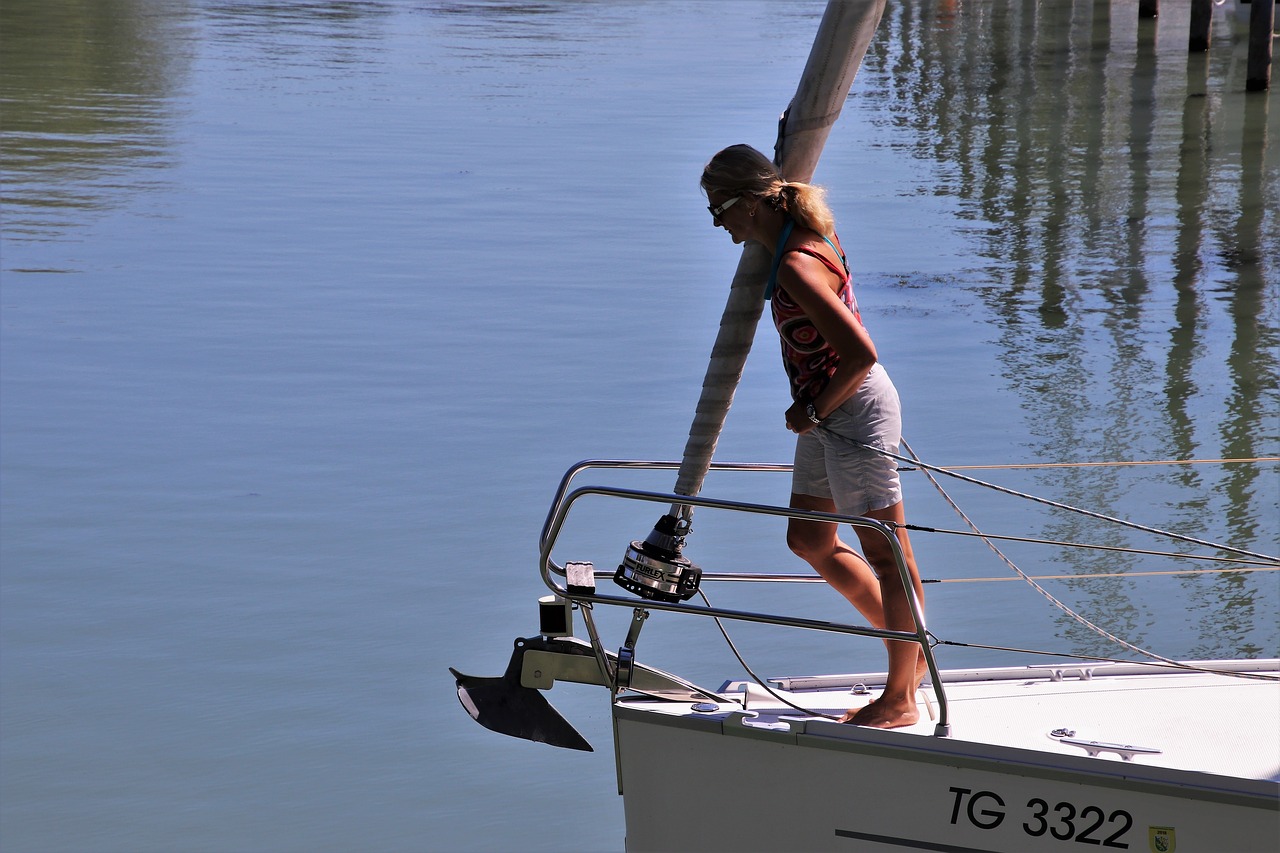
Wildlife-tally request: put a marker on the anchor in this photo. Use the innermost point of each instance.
(512, 704)
(506, 706)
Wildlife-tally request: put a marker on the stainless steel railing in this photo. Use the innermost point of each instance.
(565, 498)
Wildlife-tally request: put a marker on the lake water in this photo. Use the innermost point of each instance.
(308, 305)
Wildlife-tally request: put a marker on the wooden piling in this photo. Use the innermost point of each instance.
(1262, 18)
(1201, 25)
(844, 33)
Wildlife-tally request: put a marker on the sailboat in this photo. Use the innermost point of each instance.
(1054, 752)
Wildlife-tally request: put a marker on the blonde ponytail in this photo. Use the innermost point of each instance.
(807, 204)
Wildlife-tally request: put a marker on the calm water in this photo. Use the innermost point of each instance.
(307, 306)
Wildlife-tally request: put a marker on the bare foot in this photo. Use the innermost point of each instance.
(883, 714)
(849, 715)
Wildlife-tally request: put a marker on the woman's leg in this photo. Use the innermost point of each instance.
(897, 705)
(818, 544)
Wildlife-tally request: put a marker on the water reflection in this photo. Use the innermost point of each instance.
(478, 36)
(293, 30)
(1124, 199)
(1121, 195)
(87, 92)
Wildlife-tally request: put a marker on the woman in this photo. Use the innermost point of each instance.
(840, 393)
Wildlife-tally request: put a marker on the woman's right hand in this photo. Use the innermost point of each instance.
(798, 419)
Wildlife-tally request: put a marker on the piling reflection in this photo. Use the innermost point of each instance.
(1124, 201)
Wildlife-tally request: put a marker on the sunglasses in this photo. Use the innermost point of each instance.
(716, 211)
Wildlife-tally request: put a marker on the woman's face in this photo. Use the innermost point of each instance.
(729, 212)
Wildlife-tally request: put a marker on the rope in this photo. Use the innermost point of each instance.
(1092, 576)
(1267, 564)
(1254, 675)
(915, 461)
(757, 679)
(1031, 580)
(1033, 466)
(783, 577)
(1044, 592)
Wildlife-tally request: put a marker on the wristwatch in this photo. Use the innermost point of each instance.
(812, 413)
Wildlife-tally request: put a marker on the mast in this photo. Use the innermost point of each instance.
(655, 567)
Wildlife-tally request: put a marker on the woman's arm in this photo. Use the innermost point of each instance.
(814, 288)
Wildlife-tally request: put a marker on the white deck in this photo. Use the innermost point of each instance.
(1198, 721)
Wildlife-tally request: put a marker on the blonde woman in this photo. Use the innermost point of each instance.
(840, 395)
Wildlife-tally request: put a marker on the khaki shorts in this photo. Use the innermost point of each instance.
(829, 465)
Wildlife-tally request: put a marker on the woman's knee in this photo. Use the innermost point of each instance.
(809, 541)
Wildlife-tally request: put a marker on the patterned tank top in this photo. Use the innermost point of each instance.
(809, 360)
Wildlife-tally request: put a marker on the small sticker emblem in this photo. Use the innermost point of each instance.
(1162, 839)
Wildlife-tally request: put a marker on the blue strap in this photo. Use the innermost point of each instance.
(777, 260)
(839, 254)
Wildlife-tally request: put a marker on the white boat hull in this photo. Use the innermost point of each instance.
(1159, 757)
(741, 780)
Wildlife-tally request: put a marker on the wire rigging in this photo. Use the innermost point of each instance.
(951, 472)
(757, 679)
(927, 469)
(1266, 562)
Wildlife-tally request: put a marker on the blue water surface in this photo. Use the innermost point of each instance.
(308, 306)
